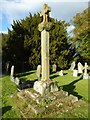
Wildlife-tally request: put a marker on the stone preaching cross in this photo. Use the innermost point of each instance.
(45, 85)
(45, 41)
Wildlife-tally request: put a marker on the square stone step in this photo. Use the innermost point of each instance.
(36, 108)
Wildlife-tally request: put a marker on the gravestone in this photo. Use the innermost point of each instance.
(38, 70)
(61, 73)
(45, 85)
(72, 66)
(17, 81)
(7, 67)
(54, 67)
(75, 73)
(80, 68)
(12, 73)
(85, 75)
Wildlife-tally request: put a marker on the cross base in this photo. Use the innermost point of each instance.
(43, 87)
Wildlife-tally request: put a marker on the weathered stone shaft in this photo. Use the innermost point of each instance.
(45, 54)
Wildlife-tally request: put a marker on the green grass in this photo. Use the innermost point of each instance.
(9, 109)
(73, 85)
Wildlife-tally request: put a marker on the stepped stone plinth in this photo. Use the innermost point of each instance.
(38, 103)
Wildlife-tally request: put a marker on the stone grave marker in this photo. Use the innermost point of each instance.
(7, 67)
(61, 73)
(75, 73)
(72, 66)
(80, 68)
(54, 67)
(45, 85)
(17, 81)
(12, 70)
(39, 70)
(85, 75)
(12, 73)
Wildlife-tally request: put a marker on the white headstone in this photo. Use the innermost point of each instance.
(17, 81)
(12, 70)
(54, 66)
(72, 66)
(75, 73)
(80, 68)
(85, 75)
(61, 73)
(38, 70)
(85, 68)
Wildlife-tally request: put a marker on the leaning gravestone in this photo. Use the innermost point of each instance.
(72, 66)
(38, 70)
(12, 73)
(80, 68)
(54, 67)
(45, 85)
(61, 73)
(75, 73)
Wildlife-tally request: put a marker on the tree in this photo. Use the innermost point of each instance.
(81, 32)
(12, 46)
(59, 47)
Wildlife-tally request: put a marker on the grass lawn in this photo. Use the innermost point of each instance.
(73, 85)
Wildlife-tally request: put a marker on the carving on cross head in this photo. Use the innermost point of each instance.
(45, 13)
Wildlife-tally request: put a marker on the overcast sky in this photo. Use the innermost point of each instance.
(18, 9)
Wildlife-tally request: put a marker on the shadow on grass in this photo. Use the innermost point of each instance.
(54, 76)
(3, 110)
(52, 72)
(23, 74)
(79, 74)
(65, 73)
(24, 83)
(70, 88)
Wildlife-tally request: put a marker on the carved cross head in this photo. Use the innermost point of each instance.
(45, 12)
(46, 8)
